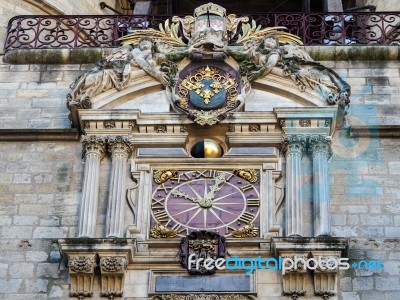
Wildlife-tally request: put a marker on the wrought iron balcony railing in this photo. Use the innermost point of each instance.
(46, 32)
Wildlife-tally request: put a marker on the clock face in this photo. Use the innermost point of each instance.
(213, 200)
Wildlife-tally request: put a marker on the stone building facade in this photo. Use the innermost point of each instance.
(51, 167)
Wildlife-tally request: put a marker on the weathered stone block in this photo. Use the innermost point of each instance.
(48, 270)
(8, 286)
(350, 296)
(3, 270)
(36, 255)
(16, 232)
(391, 283)
(25, 220)
(376, 220)
(345, 284)
(50, 232)
(21, 270)
(392, 232)
(363, 283)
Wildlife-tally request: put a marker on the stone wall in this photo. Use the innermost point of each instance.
(40, 188)
(34, 96)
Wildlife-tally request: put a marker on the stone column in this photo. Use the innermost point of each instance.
(320, 150)
(93, 151)
(293, 148)
(120, 149)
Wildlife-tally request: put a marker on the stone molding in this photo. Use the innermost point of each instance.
(94, 54)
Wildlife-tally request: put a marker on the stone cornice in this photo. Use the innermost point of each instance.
(39, 134)
(92, 55)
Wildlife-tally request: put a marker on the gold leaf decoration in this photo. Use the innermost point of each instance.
(161, 176)
(247, 231)
(161, 232)
(247, 174)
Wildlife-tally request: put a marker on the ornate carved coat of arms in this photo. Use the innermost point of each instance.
(203, 244)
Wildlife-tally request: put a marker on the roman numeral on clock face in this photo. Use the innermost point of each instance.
(246, 187)
(161, 215)
(247, 217)
(253, 202)
(206, 173)
(179, 228)
(157, 203)
(229, 229)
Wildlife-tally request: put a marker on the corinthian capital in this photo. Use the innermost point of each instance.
(93, 145)
(119, 145)
(320, 144)
(295, 143)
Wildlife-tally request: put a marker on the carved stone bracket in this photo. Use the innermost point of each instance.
(294, 280)
(112, 270)
(81, 271)
(84, 256)
(325, 276)
(317, 255)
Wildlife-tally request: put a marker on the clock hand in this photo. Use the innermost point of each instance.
(216, 187)
(180, 194)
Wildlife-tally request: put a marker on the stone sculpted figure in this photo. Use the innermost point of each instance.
(260, 57)
(266, 56)
(115, 71)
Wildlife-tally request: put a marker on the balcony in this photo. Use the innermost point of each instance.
(102, 31)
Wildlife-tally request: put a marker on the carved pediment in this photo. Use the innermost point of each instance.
(206, 66)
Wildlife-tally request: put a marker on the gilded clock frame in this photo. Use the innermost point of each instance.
(164, 227)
